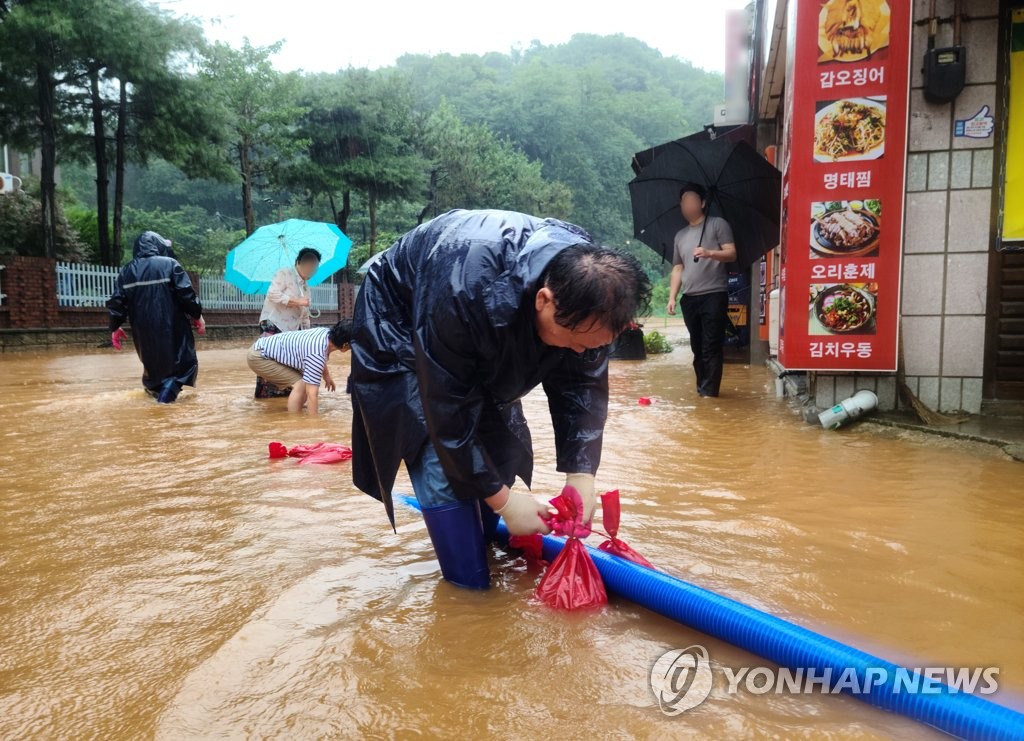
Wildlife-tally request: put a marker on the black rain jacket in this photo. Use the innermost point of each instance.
(155, 294)
(444, 347)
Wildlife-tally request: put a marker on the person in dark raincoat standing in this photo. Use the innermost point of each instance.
(453, 325)
(155, 294)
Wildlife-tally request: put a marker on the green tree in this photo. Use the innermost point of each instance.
(38, 38)
(471, 168)
(581, 109)
(331, 125)
(361, 137)
(261, 108)
(200, 240)
(73, 61)
(113, 62)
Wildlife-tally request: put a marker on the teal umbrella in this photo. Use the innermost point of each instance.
(252, 264)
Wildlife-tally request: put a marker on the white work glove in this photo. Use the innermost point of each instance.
(584, 484)
(523, 515)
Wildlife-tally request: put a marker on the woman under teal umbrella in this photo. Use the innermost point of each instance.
(253, 264)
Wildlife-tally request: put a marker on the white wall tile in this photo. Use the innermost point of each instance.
(981, 40)
(922, 284)
(966, 283)
(972, 396)
(969, 217)
(960, 170)
(928, 391)
(922, 345)
(963, 346)
(949, 395)
(938, 170)
(930, 124)
(886, 391)
(925, 227)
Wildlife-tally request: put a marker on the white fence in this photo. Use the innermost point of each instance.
(217, 293)
(324, 297)
(79, 284)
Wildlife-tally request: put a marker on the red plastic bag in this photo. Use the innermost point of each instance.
(572, 581)
(532, 546)
(610, 512)
(321, 453)
(569, 520)
(315, 453)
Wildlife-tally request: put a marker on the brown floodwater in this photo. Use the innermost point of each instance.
(162, 578)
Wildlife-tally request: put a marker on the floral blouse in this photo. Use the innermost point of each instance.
(287, 284)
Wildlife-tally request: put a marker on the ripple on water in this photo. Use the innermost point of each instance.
(162, 577)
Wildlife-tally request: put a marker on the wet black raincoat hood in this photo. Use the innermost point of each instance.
(153, 292)
(444, 347)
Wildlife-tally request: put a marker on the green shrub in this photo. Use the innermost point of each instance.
(21, 230)
(656, 343)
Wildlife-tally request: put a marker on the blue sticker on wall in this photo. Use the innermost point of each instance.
(979, 126)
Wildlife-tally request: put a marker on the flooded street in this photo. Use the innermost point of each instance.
(163, 578)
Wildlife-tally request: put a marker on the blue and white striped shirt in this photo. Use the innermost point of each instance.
(305, 350)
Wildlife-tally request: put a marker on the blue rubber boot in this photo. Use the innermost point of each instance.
(169, 392)
(458, 537)
(490, 522)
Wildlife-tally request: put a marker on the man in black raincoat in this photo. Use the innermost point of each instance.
(155, 294)
(453, 325)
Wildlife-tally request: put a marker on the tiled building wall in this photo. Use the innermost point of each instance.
(947, 229)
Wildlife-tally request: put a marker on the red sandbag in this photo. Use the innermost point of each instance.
(569, 520)
(611, 510)
(532, 546)
(315, 453)
(321, 453)
(618, 548)
(572, 581)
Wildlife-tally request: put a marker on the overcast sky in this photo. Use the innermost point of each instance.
(326, 35)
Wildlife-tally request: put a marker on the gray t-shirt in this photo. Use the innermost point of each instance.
(703, 276)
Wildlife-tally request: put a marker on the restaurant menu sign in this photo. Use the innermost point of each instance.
(844, 153)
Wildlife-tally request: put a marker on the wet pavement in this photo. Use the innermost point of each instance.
(1005, 431)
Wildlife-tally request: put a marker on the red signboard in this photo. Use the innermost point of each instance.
(844, 139)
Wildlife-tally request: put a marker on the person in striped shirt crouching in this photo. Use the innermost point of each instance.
(299, 359)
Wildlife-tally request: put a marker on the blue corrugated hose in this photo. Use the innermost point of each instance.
(957, 713)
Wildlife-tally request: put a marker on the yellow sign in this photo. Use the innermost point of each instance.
(1013, 202)
(738, 315)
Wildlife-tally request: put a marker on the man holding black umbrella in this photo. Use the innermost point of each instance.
(701, 251)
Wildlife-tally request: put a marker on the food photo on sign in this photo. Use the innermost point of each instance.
(849, 130)
(853, 30)
(842, 308)
(845, 228)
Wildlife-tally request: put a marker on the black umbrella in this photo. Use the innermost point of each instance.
(742, 187)
(733, 132)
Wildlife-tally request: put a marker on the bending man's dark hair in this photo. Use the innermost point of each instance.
(593, 284)
(340, 334)
(307, 252)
